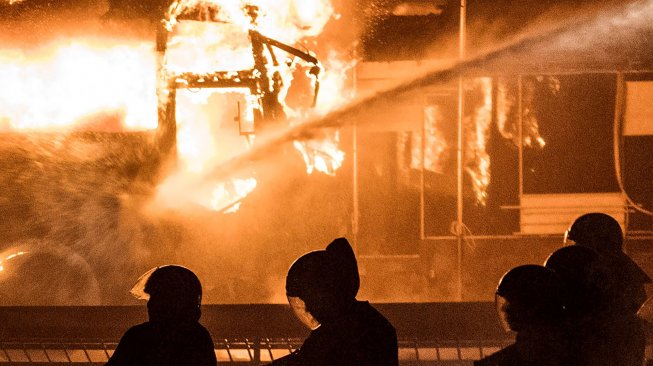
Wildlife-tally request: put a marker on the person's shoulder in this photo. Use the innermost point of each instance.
(196, 332)
(139, 330)
(372, 315)
(503, 357)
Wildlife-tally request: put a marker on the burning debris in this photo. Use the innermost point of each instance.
(220, 45)
(205, 51)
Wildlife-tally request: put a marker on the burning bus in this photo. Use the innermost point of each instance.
(97, 125)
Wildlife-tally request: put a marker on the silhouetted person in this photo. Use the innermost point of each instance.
(529, 301)
(321, 287)
(172, 336)
(614, 334)
(603, 234)
(590, 329)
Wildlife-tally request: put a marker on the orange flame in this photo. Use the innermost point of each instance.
(432, 142)
(220, 41)
(61, 85)
(478, 166)
(111, 85)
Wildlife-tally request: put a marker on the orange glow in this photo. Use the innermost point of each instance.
(203, 47)
(432, 141)
(478, 160)
(110, 85)
(322, 154)
(285, 20)
(224, 45)
(226, 197)
(8, 258)
(98, 84)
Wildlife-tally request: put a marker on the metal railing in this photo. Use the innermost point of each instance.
(237, 351)
(429, 333)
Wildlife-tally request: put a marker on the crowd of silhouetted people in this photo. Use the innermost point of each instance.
(580, 308)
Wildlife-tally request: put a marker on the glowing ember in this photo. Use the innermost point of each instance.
(97, 84)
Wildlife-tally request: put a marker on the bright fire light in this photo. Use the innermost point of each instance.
(110, 85)
(478, 166)
(219, 39)
(96, 84)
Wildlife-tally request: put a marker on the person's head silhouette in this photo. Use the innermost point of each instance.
(174, 293)
(528, 297)
(322, 284)
(597, 231)
(585, 276)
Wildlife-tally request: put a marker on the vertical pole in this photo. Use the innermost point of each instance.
(520, 133)
(355, 203)
(422, 201)
(461, 115)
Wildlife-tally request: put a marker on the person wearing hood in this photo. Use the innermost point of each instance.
(172, 336)
(321, 287)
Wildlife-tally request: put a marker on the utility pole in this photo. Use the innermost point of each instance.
(460, 233)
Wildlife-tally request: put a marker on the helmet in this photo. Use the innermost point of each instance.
(598, 231)
(602, 233)
(173, 292)
(169, 281)
(533, 295)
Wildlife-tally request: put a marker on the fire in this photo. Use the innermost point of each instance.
(434, 143)
(322, 154)
(114, 85)
(285, 20)
(247, 46)
(478, 160)
(105, 83)
(227, 197)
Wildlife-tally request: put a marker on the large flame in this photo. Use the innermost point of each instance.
(429, 148)
(102, 84)
(212, 36)
(478, 159)
(285, 20)
(110, 85)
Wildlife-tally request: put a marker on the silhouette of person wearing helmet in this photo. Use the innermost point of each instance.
(618, 331)
(603, 234)
(321, 287)
(172, 336)
(597, 334)
(529, 301)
